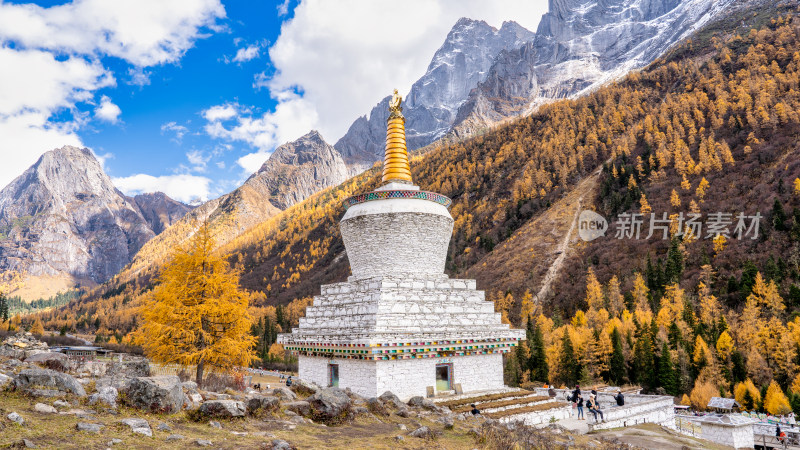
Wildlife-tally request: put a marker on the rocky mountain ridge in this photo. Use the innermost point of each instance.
(63, 217)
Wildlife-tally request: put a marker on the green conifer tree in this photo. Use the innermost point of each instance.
(617, 364)
(666, 373)
(570, 367)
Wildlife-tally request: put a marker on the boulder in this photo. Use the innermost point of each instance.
(203, 443)
(223, 408)
(88, 427)
(421, 402)
(300, 407)
(329, 403)
(106, 394)
(189, 385)
(388, 398)
(447, 421)
(280, 444)
(215, 424)
(45, 357)
(129, 368)
(61, 404)
(261, 402)
(377, 406)
(114, 441)
(21, 346)
(138, 426)
(162, 394)
(49, 378)
(174, 437)
(164, 427)
(44, 409)
(284, 393)
(16, 418)
(5, 381)
(421, 432)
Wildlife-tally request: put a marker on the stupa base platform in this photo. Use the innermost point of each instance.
(406, 378)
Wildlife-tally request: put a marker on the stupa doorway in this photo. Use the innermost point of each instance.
(444, 377)
(333, 375)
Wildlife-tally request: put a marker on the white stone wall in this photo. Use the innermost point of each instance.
(400, 307)
(540, 417)
(405, 378)
(388, 243)
(736, 436)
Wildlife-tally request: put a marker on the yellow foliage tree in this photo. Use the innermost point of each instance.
(686, 401)
(526, 310)
(719, 244)
(276, 352)
(701, 395)
(196, 314)
(675, 199)
(113, 340)
(37, 327)
(701, 352)
(744, 387)
(616, 303)
(796, 385)
(685, 185)
(724, 344)
(640, 293)
(594, 291)
(645, 206)
(797, 186)
(701, 189)
(776, 402)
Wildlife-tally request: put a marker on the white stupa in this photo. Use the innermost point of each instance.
(400, 323)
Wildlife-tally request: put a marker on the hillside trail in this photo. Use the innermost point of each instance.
(563, 247)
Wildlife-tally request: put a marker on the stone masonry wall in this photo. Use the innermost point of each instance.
(380, 244)
(540, 417)
(739, 436)
(406, 378)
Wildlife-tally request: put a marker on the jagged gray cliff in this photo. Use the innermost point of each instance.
(430, 106)
(159, 210)
(579, 45)
(63, 216)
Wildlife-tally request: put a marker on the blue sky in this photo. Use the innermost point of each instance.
(191, 96)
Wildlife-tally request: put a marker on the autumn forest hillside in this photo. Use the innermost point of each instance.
(710, 127)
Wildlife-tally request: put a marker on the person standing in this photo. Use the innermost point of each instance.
(580, 408)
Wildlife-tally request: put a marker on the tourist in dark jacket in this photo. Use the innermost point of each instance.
(475, 411)
(580, 408)
(576, 393)
(619, 398)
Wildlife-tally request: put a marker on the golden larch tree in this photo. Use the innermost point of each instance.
(675, 199)
(797, 186)
(196, 314)
(594, 291)
(775, 401)
(37, 327)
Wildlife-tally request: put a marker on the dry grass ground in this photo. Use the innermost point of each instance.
(58, 431)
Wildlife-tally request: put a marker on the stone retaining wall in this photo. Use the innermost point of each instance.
(540, 417)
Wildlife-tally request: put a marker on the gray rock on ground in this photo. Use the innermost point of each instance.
(202, 443)
(29, 444)
(421, 432)
(114, 441)
(138, 426)
(377, 406)
(5, 381)
(16, 418)
(164, 427)
(44, 409)
(106, 394)
(88, 427)
(174, 437)
(388, 398)
(258, 402)
(329, 403)
(61, 404)
(284, 393)
(162, 394)
(300, 407)
(49, 378)
(223, 408)
(447, 421)
(421, 402)
(280, 444)
(215, 424)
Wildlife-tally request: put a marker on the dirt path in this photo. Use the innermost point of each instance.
(552, 272)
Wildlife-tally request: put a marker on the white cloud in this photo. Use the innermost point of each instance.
(293, 117)
(107, 111)
(198, 160)
(283, 8)
(220, 112)
(142, 32)
(247, 53)
(55, 55)
(184, 188)
(179, 131)
(137, 76)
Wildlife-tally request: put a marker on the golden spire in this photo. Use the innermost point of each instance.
(395, 163)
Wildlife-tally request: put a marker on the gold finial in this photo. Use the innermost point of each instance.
(395, 162)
